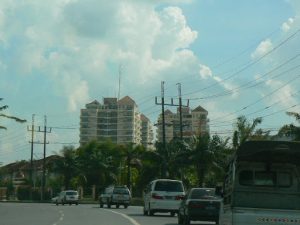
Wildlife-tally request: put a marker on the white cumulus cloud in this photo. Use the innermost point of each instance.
(285, 94)
(205, 72)
(79, 45)
(263, 48)
(286, 26)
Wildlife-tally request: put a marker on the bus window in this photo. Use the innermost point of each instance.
(263, 178)
(284, 179)
(246, 178)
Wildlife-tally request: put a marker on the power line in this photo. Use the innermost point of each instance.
(260, 99)
(250, 64)
(64, 143)
(246, 50)
(246, 85)
(271, 114)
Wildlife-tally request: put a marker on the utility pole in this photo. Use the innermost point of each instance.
(164, 170)
(31, 155)
(163, 113)
(45, 131)
(180, 111)
(31, 142)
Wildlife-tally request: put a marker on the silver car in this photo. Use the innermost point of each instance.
(67, 197)
(115, 195)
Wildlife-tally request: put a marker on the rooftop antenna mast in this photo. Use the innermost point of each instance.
(120, 73)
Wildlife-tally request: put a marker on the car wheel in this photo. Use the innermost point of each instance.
(145, 212)
(187, 220)
(150, 211)
(180, 220)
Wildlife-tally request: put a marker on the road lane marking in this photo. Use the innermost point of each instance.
(60, 218)
(133, 221)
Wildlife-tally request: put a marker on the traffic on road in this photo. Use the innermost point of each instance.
(82, 214)
(261, 186)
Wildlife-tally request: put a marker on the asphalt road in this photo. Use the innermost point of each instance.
(85, 214)
(50, 214)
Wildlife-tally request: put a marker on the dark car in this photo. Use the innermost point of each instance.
(200, 204)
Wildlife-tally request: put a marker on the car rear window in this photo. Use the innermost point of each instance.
(71, 193)
(203, 193)
(121, 191)
(170, 186)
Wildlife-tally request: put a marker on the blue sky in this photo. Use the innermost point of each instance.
(231, 57)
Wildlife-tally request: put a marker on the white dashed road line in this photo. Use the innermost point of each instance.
(60, 218)
(134, 222)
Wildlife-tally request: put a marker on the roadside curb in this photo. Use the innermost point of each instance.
(134, 201)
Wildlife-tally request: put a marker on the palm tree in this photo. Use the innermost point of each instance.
(168, 159)
(9, 117)
(132, 157)
(206, 154)
(221, 154)
(96, 161)
(174, 158)
(244, 130)
(151, 163)
(67, 165)
(291, 130)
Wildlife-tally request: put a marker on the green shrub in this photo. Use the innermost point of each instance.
(23, 193)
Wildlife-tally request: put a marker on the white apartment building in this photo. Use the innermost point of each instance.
(147, 132)
(129, 122)
(117, 120)
(194, 122)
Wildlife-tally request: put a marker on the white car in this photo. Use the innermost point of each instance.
(163, 195)
(67, 197)
(54, 199)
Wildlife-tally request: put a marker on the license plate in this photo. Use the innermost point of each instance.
(168, 197)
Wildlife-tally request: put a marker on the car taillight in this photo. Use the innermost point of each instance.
(155, 196)
(179, 197)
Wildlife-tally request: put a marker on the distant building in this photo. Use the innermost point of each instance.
(147, 132)
(117, 120)
(194, 122)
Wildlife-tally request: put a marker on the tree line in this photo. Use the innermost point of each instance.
(199, 162)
